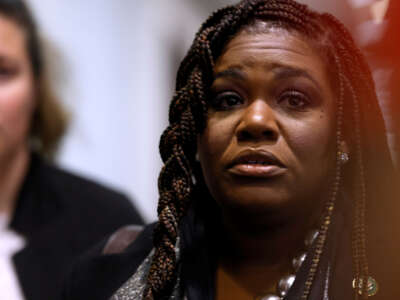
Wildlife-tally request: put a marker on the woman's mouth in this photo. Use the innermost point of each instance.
(257, 170)
(262, 164)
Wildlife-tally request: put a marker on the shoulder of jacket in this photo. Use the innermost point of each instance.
(119, 241)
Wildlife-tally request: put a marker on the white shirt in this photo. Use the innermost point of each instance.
(10, 243)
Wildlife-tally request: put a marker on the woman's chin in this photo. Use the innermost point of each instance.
(262, 205)
(257, 205)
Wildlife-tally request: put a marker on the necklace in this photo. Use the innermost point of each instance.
(285, 283)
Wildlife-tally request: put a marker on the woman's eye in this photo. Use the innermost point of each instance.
(226, 101)
(6, 72)
(295, 100)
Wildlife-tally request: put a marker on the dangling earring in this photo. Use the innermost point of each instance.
(196, 157)
(343, 154)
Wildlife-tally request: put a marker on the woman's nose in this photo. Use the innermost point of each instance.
(258, 123)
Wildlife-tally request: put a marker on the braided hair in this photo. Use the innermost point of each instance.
(188, 115)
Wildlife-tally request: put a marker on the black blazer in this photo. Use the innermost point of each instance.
(60, 215)
(98, 275)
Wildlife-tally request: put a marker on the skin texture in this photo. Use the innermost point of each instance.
(17, 104)
(271, 95)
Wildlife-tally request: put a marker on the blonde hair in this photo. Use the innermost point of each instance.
(49, 121)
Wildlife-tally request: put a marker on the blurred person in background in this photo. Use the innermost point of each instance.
(47, 216)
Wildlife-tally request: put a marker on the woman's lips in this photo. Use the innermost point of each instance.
(256, 163)
(257, 170)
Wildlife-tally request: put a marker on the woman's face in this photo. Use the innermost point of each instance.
(269, 146)
(16, 88)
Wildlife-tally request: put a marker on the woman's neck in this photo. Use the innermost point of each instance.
(258, 255)
(267, 237)
(12, 172)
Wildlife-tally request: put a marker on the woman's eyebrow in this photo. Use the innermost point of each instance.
(234, 72)
(285, 72)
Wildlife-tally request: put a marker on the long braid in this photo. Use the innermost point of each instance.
(360, 85)
(175, 186)
(188, 114)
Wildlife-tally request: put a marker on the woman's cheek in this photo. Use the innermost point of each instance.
(313, 142)
(16, 109)
(216, 137)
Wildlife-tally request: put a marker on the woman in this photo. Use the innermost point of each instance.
(47, 216)
(275, 163)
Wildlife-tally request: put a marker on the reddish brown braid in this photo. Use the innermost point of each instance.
(188, 114)
(360, 86)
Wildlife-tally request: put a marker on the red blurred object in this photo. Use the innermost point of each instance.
(390, 45)
(387, 51)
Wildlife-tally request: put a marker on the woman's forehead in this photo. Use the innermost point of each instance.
(272, 51)
(12, 40)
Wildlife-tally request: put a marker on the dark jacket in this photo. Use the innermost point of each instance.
(61, 215)
(98, 275)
